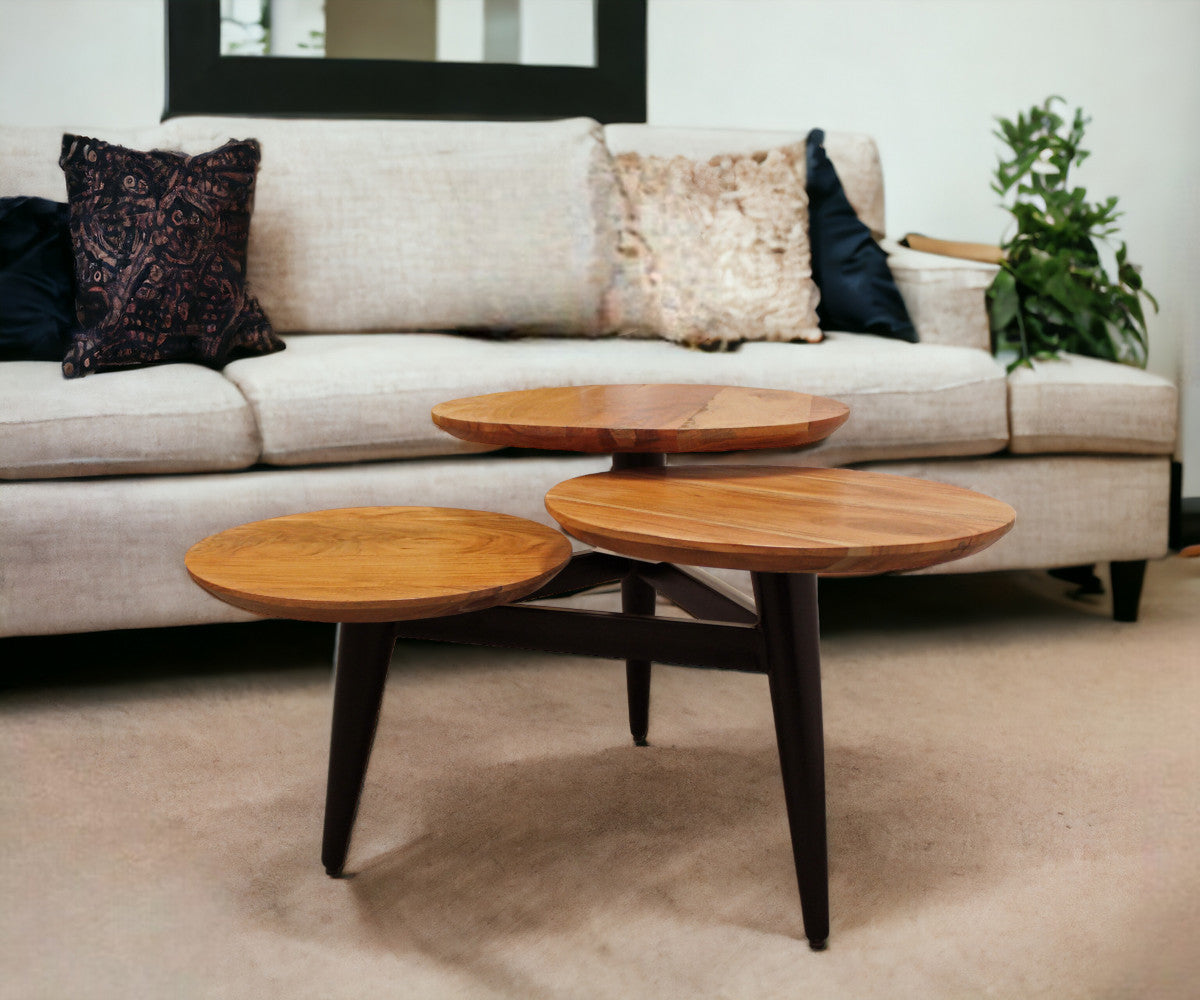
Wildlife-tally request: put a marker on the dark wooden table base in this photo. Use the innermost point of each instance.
(783, 525)
(778, 638)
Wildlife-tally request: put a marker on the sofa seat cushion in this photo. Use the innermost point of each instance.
(1078, 404)
(357, 397)
(347, 397)
(174, 418)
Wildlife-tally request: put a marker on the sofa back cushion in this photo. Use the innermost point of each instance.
(854, 155)
(424, 225)
(29, 157)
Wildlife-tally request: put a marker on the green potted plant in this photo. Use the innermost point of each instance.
(1054, 291)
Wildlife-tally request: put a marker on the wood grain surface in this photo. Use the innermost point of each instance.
(604, 419)
(374, 564)
(776, 519)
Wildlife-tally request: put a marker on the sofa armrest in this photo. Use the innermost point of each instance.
(989, 253)
(944, 295)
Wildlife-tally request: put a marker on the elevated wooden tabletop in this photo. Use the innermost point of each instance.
(778, 519)
(377, 564)
(653, 417)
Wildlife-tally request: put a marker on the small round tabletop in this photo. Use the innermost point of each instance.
(655, 417)
(377, 564)
(778, 519)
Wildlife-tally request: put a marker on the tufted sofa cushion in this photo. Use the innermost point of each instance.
(1078, 404)
(346, 397)
(172, 418)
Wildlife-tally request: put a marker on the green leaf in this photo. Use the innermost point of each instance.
(1054, 292)
(1003, 301)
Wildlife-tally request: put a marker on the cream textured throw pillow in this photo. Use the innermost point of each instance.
(714, 253)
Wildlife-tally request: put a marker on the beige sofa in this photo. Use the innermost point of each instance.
(374, 242)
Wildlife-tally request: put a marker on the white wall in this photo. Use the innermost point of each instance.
(925, 77)
(81, 63)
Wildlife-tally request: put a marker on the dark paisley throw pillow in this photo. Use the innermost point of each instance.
(159, 240)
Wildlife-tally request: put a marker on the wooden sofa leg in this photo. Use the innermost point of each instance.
(1127, 580)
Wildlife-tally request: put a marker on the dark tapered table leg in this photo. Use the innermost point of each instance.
(787, 607)
(638, 598)
(361, 659)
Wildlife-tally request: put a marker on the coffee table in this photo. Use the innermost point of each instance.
(433, 574)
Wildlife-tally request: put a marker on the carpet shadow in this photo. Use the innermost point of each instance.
(697, 835)
(115, 659)
(935, 603)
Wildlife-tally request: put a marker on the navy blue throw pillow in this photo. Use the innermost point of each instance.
(37, 280)
(858, 292)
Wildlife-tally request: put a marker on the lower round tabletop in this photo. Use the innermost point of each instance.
(778, 518)
(377, 564)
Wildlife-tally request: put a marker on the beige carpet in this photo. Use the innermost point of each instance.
(1012, 792)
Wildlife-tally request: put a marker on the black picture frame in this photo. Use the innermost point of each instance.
(199, 80)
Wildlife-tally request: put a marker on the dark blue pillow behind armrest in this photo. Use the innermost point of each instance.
(858, 292)
(37, 280)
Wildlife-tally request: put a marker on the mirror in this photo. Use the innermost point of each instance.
(507, 59)
(520, 32)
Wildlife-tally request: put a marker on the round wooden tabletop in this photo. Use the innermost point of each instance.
(778, 519)
(377, 564)
(661, 418)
